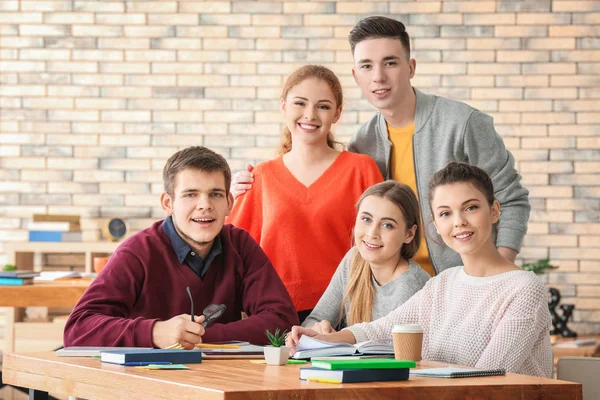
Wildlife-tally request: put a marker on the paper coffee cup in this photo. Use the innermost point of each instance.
(408, 340)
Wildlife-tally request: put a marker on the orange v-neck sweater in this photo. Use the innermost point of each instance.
(305, 231)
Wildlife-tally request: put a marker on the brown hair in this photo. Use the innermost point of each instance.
(297, 77)
(377, 27)
(360, 285)
(195, 157)
(456, 172)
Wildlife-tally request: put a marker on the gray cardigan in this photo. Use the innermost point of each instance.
(387, 297)
(448, 130)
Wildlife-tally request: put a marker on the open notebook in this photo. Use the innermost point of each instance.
(309, 347)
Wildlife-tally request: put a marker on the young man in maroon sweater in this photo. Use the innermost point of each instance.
(140, 298)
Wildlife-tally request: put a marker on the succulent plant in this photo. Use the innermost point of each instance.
(276, 339)
(9, 267)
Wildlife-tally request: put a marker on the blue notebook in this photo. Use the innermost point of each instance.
(153, 355)
(353, 375)
(15, 281)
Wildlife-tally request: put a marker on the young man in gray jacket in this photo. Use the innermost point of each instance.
(414, 134)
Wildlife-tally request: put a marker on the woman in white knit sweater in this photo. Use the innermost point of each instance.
(485, 314)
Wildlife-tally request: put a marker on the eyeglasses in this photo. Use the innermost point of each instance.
(210, 312)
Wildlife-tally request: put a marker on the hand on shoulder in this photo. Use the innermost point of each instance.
(242, 181)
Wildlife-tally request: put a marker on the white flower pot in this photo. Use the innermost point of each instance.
(277, 355)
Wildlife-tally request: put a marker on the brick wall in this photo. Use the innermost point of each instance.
(95, 95)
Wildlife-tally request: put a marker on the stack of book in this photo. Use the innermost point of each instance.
(55, 228)
(356, 369)
(17, 278)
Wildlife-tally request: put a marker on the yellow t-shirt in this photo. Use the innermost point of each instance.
(403, 171)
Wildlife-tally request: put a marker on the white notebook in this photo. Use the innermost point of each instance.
(309, 347)
(87, 351)
(454, 372)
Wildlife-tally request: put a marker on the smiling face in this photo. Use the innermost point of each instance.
(199, 206)
(310, 109)
(383, 72)
(463, 217)
(380, 231)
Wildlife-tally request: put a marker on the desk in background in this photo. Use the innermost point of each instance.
(241, 379)
(591, 350)
(37, 295)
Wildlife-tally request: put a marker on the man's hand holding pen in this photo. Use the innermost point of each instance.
(179, 329)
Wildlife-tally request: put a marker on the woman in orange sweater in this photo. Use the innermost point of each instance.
(301, 206)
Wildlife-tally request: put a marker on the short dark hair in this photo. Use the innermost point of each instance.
(456, 172)
(379, 27)
(198, 158)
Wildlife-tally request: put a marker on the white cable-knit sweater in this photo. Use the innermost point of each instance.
(500, 321)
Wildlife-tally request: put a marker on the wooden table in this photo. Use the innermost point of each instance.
(37, 295)
(240, 379)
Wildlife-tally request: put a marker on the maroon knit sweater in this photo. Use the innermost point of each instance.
(144, 282)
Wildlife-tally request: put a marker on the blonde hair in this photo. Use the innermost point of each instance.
(297, 77)
(360, 285)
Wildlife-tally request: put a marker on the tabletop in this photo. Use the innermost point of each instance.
(241, 379)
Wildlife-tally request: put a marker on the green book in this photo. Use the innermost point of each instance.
(365, 363)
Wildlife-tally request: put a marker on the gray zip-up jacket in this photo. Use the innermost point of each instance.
(448, 130)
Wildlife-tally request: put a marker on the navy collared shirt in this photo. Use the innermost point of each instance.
(184, 252)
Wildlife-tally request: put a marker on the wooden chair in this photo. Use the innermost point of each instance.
(584, 370)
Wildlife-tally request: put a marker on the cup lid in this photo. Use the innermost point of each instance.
(407, 328)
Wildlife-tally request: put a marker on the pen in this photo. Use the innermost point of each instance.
(217, 346)
(144, 363)
(323, 380)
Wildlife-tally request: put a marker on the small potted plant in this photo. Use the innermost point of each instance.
(276, 353)
(539, 267)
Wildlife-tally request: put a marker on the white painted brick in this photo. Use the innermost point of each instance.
(44, 54)
(95, 6)
(150, 55)
(22, 90)
(120, 19)
(97, 200)
(125, 188)
(72, 163)
(68, 18)
(143, 176)
(153, 128)
(99, 151)
(125, 116)
(124, 140)
(20, 18)
(61, 115)
(21, 66)
(97, 79)
(22, 187)
(97, 127)
(82, 66)
(44, 30)
(22, 138)
(201, 129)
(176, 116)
(100, 104)
(123, 43)
(152, 152)
(98, 176)
(157, 81)
(126, 91)
(202, 80)
(72, 139)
